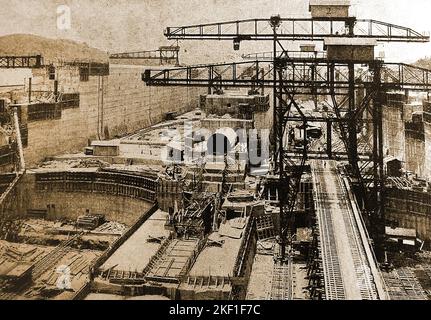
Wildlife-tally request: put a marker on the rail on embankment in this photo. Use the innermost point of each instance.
(349, 265)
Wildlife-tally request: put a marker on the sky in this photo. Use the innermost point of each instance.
(133, 25)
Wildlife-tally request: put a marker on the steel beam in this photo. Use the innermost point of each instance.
(308, 29)
(319, 76)
(164, 54)
(21, 61)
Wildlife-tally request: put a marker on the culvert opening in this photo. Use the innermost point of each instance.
(218, 144)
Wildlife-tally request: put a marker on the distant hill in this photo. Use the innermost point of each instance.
(52, 50)
(424, 63)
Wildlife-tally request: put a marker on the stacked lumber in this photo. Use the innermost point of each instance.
(90, 222)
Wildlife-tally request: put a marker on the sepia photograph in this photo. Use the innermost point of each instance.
(236, 152)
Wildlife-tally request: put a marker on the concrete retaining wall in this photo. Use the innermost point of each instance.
(69, 205)
(411, 210)
(110, 106)
(427, 166)
(404, 139)
(393, 130)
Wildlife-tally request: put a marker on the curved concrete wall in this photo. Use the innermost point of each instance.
(70, 205)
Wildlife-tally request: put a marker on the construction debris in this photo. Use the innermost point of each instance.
(111, 227)
(152, 239)
(77, 164)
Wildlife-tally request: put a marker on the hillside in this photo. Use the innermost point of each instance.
(51, 49)
(424, 63)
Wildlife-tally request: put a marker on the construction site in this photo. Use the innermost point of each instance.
(298, 173)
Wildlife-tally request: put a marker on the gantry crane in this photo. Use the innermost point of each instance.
(14, 62)
(311, 75)
(164, 55)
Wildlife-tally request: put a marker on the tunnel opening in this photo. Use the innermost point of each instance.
(218, 145)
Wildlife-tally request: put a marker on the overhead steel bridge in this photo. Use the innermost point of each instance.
(320, 75)
(21, 61)
(296, 29)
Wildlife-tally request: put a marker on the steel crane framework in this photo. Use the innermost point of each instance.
(21, 61)
(163, 54)
(290, 75)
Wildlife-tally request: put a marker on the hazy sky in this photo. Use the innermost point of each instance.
(120, 25)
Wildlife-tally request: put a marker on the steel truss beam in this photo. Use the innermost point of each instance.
(300, 55)
(324, 76)
(21, 61)
(296, 29)
(164, 54)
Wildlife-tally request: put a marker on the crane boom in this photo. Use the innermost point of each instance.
(311, 29)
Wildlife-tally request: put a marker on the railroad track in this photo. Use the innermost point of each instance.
(53, 257)
(347, 272)
(334, 285)
(283, 282)
(43, 265)
(363, 271)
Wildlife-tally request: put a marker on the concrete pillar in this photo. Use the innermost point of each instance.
(29, 90)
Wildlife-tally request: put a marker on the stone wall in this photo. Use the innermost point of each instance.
(111, 105)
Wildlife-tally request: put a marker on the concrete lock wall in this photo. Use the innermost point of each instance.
(410, 209)
(415, 154)
(407, 139)
(60, 205)
(415, 149)
(110, 106)
(427, 169)
(394, 134)
(263, 120)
